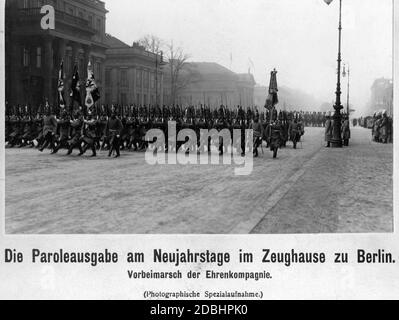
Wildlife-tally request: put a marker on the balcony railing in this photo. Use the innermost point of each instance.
(60, 17)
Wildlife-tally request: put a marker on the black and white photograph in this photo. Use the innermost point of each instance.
(196, 117)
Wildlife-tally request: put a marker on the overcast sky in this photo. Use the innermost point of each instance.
(297, 37)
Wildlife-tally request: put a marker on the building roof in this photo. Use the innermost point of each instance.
(210, 68)
(113, 42)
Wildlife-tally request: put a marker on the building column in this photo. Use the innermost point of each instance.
(61, 50)
(149, 86)
(161, 90)
(131, 91)
(87, 58)
(75, 54)
(142, 87)
(15, 74)
(48, 79)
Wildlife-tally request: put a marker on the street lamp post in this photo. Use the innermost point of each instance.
(336, 141)
(347, 97)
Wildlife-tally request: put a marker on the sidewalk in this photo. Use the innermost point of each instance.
(347, 190)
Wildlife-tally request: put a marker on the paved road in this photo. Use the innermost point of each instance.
(48, 194)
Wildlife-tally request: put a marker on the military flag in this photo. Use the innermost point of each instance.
(92, 92)
(272, 98)
(61, 100)
(75, 90)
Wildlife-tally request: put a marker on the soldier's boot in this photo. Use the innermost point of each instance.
(117, 153)
(70, 150)
(275, 153)
(56, 149)
(256, 153)
(83, 151)
(93, 149)
(44, 146)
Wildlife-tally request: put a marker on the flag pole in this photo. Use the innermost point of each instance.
(336, 141)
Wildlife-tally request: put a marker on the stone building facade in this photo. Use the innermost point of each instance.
(211, 84)
(33, 55)
(132, 75)
(381, 96)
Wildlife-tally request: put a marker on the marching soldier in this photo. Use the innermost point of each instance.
(102, 128)
(89, 135)
(76, 135)
(38, 124)
(64, 126)
(27, 130)
(15, 124)
(276, 136)
(294, 132)
(7, 127)
(114, 129)
(49, 130)
(257, 128)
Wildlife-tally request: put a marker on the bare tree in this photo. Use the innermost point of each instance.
(152, 43)
(177, 61)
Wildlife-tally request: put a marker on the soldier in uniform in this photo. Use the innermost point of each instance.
(15, 124)
(38, 124)
(7, 126)
(64, 125)
(27, 129)
(102, 129)
(89, 134)
(257, 128)
(328, 131)
(294, 132)
(76, 135)
(49, 130)
(276, 136)
(346, 133)
(384, 127)
(114, 129)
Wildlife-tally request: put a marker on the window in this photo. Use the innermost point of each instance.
(98, 27)
(108, 77)
(25, 57)
(38, 57)
(124, 82)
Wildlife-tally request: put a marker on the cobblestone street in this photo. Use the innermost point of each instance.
(308, 190)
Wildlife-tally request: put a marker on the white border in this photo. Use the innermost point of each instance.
(26, 281)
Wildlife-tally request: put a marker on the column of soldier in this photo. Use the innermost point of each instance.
(118, 128)
(381, 126)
